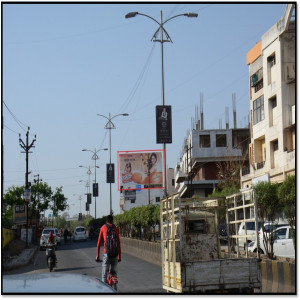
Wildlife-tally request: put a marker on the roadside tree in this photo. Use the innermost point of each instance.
(287, 199)
(268, 207)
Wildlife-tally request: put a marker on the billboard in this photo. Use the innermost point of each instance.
(142, 169)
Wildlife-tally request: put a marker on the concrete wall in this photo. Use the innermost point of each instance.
(148, 251)
(277, 276)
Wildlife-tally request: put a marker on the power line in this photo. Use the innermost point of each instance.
(15, 118)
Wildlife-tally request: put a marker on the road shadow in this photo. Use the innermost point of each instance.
(72, 269)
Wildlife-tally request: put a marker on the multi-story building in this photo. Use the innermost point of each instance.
(139, 197)
(204, 152)
(272, 104)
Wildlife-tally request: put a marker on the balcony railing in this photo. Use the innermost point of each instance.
(245, 171)
(260, 165)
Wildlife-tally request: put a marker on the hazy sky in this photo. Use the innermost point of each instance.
(65, 63)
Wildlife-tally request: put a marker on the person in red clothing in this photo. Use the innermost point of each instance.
(112, 248)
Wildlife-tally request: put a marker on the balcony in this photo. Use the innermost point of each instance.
(179, 176)
(260, 165)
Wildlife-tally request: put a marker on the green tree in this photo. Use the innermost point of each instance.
(58, 201)
(268, 206)
(287, 196)
(41, 194)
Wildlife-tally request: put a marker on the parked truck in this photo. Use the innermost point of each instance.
(194, 258)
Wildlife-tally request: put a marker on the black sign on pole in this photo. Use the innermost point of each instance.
(163, 124)
(87, 206)
(89, 198)
(110, 173)
(95, 189)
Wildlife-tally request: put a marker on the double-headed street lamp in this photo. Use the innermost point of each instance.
(110, 125)
(162, 31)
(95, 157)
(89, 172)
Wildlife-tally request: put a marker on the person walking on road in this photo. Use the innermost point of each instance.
(112, 248)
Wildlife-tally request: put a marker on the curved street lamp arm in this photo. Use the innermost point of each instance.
(149, 18)
(189, 15)
(103, 116)
(173, 18)
(118, 115)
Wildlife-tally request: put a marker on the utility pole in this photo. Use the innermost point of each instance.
(27, 183)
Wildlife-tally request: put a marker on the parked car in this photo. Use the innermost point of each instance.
(271, 226)
(283, 243)
(57, 236)
(250, 231)
(80, 234)
(45, 235)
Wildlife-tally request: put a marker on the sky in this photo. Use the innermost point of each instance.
(62, 64)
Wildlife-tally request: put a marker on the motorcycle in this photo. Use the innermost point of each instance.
(50, 255)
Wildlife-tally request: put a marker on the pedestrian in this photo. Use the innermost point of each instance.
(112, 248)
(66, 233)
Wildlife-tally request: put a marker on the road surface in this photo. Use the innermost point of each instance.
(135, 275)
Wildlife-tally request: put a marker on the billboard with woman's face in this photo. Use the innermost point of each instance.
(143, 169)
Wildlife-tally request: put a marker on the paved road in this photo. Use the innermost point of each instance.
(135, 275)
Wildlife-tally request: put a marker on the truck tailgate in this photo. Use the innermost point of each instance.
(221, 274)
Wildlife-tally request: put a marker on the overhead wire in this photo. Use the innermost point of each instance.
(15, 118)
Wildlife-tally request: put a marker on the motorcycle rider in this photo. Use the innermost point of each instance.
(109, 263)
(52, 240)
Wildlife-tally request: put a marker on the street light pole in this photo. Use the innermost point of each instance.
(168, 39)
(95, 157)
(88, 183)
(110, 125)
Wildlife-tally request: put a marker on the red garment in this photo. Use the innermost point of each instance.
(102, 236)
(51, 237)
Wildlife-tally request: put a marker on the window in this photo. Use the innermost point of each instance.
(258, 110)
(198, 226)
(157, 199)
(257, 80)
(275, 145)
(221, 140)
(271, 60)
(173, 182)
(273, 102)
(205, 141)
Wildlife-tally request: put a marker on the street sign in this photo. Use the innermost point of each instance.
(110, 173)
(27, 195)
(95, 189)
(163, 124)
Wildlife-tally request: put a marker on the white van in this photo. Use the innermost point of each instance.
(250, 231)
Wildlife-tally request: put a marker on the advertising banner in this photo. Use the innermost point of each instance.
(19, 214)
(95, 189)
(163, 124)
(143, 169)
(110, 173)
